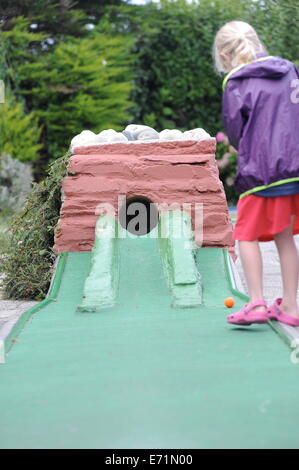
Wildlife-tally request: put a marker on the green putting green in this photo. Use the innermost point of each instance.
(142, 374)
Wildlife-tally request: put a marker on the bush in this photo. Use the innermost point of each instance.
(15, 183)
(78, 83)
(175, 82)
(83, 84)
(277, 22)
(19, 132)
(29, 258)
(18, 46)
(55, 17)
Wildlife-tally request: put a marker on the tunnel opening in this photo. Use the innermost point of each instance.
(138, 215)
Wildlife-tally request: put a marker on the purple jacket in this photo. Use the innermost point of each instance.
(261, 118)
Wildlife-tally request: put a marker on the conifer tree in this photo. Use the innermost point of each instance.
(81, 83)
(55, 17)
(18, 46)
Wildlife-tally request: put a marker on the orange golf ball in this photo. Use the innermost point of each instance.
(229, 302)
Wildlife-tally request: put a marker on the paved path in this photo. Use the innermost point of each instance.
(10, 311)
(272, 275)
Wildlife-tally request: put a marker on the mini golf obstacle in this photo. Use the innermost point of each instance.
(168, 174)
(131, 348)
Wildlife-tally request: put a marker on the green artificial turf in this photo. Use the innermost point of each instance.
(143, 374)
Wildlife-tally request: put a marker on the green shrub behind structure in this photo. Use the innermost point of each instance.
(277, 22)
(19, 131)
(71, 85)
(29, 258)
(175, 82)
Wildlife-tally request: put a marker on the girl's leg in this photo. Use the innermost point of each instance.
(289, 265)
(252, 264)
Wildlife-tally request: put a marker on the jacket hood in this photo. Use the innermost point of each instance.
(263, 67)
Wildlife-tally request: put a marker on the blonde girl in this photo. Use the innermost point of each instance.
(261, 118)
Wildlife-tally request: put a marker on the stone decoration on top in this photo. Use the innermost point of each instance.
(135, 133)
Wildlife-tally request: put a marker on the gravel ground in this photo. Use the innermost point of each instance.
(10, 311)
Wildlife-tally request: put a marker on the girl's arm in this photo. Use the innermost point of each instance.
(233, 116)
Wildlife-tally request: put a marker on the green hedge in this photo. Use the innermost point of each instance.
(175, 84)
(79, 83)
(159, 69)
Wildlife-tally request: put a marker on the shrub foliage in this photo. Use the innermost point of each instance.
(29, 258)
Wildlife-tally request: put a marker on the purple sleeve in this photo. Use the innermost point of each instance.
(232, 117)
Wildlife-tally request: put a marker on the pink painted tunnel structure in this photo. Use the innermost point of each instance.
(181, 172)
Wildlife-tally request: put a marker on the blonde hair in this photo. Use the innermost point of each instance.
(240, 44)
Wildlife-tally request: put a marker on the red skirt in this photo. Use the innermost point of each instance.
(259, 218)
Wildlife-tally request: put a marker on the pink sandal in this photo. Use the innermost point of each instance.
(246, 315)
(276, 314)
